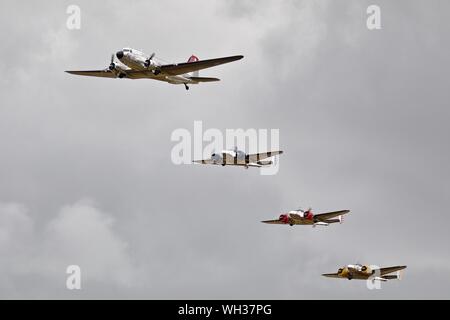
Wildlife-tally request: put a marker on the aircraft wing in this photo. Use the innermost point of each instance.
(273, 222)
(206, 161)
(331, 275)
(186, 67)
(255, 157)
(330, 215)
(94, 73)
(384, 271)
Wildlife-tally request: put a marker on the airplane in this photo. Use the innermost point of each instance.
(307, 217)
(237, 157)
(134, 64)
(364, 272)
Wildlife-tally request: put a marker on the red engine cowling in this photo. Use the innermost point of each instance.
(284, 218)
(309, 215)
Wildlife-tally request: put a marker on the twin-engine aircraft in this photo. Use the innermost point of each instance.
(364, 272)
(134, 64)
(308, 218)
(237, 157)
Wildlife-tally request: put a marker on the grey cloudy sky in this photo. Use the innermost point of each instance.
(87, 179)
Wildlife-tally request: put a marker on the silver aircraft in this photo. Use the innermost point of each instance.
(134, 64)
(237, 157)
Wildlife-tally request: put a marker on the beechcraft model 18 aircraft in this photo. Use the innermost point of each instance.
(237, 157)
(134, 64)
(307, 217)
(364, 272)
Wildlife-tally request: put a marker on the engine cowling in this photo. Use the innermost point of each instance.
(150, 64)
(240, 155)
(308, 215)
(216, 157)
(343, 272)
(117, 70)
(284, 218)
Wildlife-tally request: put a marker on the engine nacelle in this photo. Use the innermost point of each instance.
(343, 272)
(240, 155)
(217, 157)
(150, 64)
(360, 268)
(117, 71)
(284, 218)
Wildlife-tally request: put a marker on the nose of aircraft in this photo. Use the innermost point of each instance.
(119, 54)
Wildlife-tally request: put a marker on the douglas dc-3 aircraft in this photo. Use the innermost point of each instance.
(134, 64)
(309, 218)
(364, 272)
(237, 157)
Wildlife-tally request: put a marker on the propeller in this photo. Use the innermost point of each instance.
(362, 266)
(112, 65)
(147, 62)
(301, 209)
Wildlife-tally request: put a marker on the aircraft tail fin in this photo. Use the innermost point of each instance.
(193, 58)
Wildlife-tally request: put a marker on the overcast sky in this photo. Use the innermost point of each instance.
(86, 176)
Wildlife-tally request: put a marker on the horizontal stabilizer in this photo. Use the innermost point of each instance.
(203, 79)
(380, 279)
(391, 277)
(264, 163)
(332, 220)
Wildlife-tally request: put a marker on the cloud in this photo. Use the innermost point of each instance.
(80, 234)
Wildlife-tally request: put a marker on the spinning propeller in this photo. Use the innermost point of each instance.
(147, 62)
(112, 65)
